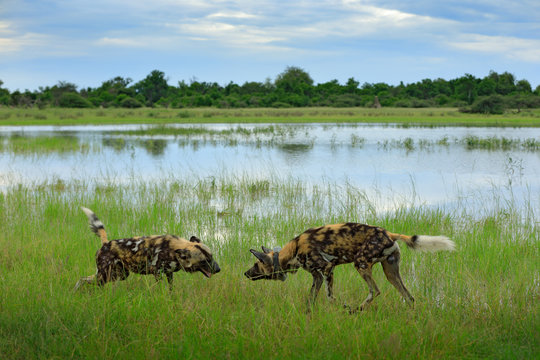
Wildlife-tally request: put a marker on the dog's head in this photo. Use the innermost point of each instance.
(196, 256)
(267, 267)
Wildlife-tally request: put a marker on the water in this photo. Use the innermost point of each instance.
(389, 162)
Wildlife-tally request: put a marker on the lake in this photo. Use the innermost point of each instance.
(436, 167)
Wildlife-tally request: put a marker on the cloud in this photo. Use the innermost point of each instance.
(231, 15)
(297, 26)
(125, 42)
(527, 50)
(12, 42)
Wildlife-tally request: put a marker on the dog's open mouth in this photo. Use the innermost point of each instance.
(206, 273)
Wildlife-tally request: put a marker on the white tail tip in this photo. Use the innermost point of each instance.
(87, 211)
(434, 243)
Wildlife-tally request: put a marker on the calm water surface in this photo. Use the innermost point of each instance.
(414, 163)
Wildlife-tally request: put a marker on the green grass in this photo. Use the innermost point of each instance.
(480, 302)
(404, 116)
(21, 144)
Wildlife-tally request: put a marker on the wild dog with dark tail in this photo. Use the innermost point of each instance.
(157, 255)
(319, 250)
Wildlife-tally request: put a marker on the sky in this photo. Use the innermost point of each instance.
(87, 42)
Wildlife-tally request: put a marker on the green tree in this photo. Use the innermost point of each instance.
(465, 88)
(4, 95)
(153, 87)
(59, 89)
(487, 86)
(294, 80)
(351, 86)
(523, 86)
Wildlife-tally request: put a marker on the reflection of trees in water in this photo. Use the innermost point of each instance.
(117, 144)
(295, 148)
(155, 147)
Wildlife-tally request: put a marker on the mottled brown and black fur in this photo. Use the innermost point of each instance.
(319, 250)
(157, 255)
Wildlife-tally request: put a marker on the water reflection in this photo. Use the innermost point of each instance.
(295, 149)
(155, 147)
(117, 144)
(435, 166)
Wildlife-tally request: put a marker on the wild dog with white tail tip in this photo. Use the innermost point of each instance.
(319, 250)
(156, 255)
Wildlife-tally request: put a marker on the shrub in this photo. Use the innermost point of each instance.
(493, 104)
(130, 103)
(73, 100)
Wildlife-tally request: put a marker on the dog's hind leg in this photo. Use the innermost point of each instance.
(365, 271)
(391, 270)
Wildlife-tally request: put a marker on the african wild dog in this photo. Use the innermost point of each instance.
(319, 250)
(156, 255)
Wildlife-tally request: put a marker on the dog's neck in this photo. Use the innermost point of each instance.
(287, 256)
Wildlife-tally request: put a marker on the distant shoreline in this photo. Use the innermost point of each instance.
(399, 116)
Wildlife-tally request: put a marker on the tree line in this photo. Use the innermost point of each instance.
(294, 87)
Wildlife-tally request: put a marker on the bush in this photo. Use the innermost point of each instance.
(130, 103)
(521, 101)
(493, 104)
(73, 100)
(345, 100)
(280, 104)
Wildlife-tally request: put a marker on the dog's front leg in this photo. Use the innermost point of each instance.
(317, 282)
(170, 279)
(88, 280)
(329, 281)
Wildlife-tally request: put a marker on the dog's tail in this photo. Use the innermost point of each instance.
(96, 225)
(425, 242)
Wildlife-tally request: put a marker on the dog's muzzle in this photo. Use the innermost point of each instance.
(215, 267)
(210, 270)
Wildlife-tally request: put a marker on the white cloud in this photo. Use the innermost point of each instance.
(231, 15)
(12, 42)
(511, 47)
(122, 42)
(296, 23)
(238, 36)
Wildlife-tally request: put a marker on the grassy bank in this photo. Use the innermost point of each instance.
(405, 116)
(479, 302)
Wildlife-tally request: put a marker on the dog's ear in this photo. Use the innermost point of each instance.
(195, 239)
(262, 257)
(266, 250)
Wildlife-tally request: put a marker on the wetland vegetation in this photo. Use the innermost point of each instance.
(215, 181)
(478, 302)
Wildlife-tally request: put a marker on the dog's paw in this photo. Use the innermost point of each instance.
(350, 310)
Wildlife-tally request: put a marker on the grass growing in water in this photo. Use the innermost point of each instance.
(479, 302)
(20, 144)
